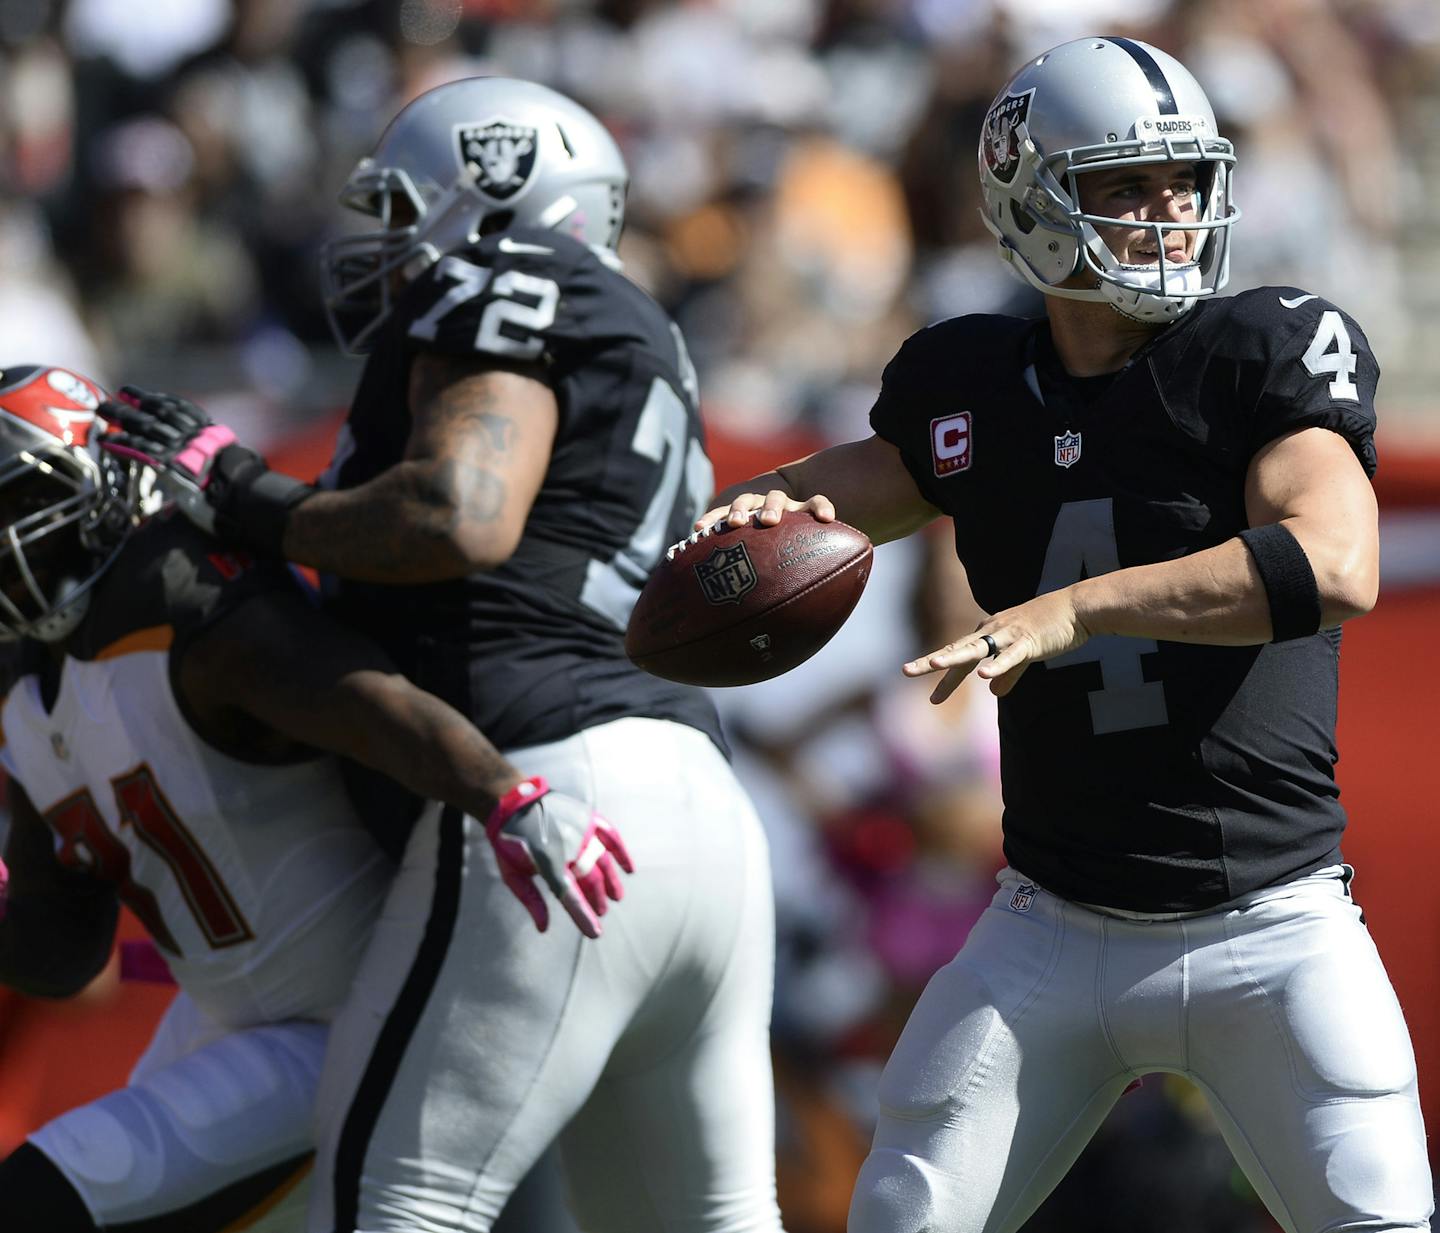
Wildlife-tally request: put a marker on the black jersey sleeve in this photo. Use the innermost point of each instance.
(924, 389)
(898, 414)
(528, 296)
(1316, 369)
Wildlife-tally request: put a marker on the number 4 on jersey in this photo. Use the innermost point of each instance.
(1082, 545)
(1340, 363)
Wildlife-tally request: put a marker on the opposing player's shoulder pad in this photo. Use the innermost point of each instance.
(170, 577)
(509, 297)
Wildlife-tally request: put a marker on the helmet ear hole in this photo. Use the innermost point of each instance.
(496, 221)
(1022, 219)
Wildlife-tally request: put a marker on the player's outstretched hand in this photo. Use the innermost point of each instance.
(223, 487)
(765, 509)
(4, 888)
(175, 438)
(536, 830)
(1002, 647)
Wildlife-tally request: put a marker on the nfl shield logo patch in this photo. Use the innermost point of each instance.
(502, 153)
(950, 443)
(1021, 900)
(1067, 449)
(726, 575)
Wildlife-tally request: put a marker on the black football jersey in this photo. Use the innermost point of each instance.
(1150, 776)
(533, 651)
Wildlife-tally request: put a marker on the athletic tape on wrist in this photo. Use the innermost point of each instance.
(1289, 581)
(252, 502)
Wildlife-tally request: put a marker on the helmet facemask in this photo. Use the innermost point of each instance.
(66, 506)
(360, 273)
(62, 521)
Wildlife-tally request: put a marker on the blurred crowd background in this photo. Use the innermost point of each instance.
(803, 197)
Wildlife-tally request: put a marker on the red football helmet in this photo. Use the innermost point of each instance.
(66, 506)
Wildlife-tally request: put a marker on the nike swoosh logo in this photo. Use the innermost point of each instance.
(1295, 303)
(507, 245)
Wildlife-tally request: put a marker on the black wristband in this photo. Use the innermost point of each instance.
(252, 503)
(1289, 581)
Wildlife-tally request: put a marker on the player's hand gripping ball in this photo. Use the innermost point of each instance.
(738, 604)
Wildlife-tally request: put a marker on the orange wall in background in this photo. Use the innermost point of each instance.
(1390, 783)
(56, 1055)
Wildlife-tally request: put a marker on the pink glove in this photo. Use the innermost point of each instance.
(4, 889)
(537, 830)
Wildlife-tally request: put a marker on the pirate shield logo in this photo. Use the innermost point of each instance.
(727, 575)
(999, 144)
(502, 153)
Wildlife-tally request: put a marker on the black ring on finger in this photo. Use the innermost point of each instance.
(990, 642)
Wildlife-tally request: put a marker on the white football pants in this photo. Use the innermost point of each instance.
(1276, 1007)
(207, 1110)
(471, 1040)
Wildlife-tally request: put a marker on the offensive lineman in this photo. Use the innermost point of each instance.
(1163, 498)
(162, 747)
(524, 442)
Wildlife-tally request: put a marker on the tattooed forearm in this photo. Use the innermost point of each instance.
(477, 453)
(406, 525)
(466, 493)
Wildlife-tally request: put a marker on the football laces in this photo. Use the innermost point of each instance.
(724, 524)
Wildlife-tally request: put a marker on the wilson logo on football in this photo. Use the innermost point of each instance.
(502, 153)
(726, 575)
(950, 443)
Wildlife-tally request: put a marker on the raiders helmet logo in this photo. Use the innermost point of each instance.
(998, 143)
(502, 154)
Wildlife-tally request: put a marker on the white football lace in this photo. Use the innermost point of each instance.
(695, 537)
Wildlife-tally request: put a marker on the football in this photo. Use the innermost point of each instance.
(741, 604)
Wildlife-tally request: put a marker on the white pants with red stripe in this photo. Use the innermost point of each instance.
(1276, 1007)
(471, 1040)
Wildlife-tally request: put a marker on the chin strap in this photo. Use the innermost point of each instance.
(1142, 299)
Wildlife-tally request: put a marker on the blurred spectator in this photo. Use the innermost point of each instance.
(143, 40)
(161, 276)
(36, 305)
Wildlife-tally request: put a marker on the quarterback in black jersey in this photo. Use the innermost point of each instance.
(1163, 499)
(524, 443)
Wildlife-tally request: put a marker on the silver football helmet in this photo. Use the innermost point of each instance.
(464, 160)
(1101, 103)
(66, 506)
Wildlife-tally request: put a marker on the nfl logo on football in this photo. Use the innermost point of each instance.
(1067, 449)
(726, 575)
(950, 443)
